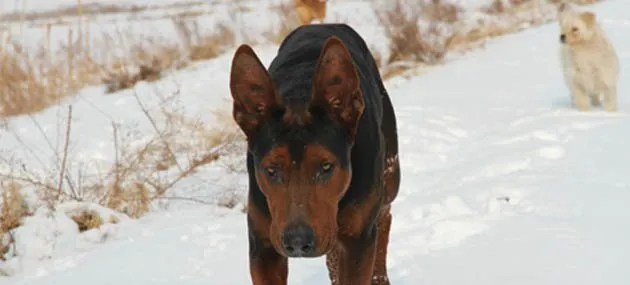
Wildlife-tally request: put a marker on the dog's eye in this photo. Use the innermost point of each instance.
(271, 172)
(326, 167)
(574, 29)
(324, 172)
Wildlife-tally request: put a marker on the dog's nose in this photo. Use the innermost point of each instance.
(563, 38)
(298, 240)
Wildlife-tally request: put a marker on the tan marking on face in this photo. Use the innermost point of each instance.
(296, 116)
(303, 192)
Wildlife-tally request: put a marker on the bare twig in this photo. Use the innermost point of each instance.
(65, 153)
(184, 199)
(30, 181)
(146, 113)
(116, 154)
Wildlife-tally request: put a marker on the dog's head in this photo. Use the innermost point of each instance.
(576, 27)
(301, 150)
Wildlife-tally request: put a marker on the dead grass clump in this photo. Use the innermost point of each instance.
(150, 58)
(72, 11)
(500, 6)
(423, 33)
(87, 220)
(202, 47)
(126, 79)
(33, 79)
(29, 83)
(147, 60)
(511, 16)
(132, 198)
(440, 11)
(407, 41)
(146, 166)
(181, 145)
(13, 210)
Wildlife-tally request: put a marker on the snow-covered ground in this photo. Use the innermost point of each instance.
(502, 181)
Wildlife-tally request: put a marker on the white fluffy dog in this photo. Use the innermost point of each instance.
(589, 60)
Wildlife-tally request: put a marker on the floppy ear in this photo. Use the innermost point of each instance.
(252, 89)
(336, 85)
(588, 18)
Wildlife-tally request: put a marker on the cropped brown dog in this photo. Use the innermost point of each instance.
(322, 155)
(308, 10)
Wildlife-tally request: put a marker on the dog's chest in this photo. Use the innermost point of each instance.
(585, 62)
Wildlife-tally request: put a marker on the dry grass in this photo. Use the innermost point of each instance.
(447, 32)
(141, 173)
(201, 47)
(440, 11)
(146, 60)
(512, 18)
(407, 41)
(13, 209)
(90, 9)
(87, 220)
(30, 81)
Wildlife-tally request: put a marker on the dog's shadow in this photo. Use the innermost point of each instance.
(559, 102)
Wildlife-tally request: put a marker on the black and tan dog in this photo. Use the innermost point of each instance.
(322, 155)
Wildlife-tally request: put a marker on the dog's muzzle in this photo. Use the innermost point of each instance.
(563, 38)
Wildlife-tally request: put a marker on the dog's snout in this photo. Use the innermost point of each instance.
(298, 240)
(563, 38)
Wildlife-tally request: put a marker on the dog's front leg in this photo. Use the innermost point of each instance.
(357, 256)
(581, 99)
(610, 99)
(266, 266)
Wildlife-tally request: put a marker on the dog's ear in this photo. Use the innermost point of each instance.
(589, 18)
(253, 90)
(336, 85)
(563, 7)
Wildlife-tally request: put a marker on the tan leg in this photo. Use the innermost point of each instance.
(610, 100)
(305, 14)
(581, 100)
(320, 13)
(380, 276)
(332, 262)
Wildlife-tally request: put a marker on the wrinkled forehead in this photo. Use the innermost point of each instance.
(299, 151)
(299, 154)
(300, 142)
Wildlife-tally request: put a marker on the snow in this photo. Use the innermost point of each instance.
(503, 182)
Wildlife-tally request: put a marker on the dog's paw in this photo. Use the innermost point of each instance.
(380, 280)
(611, 108)
(583, 108)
